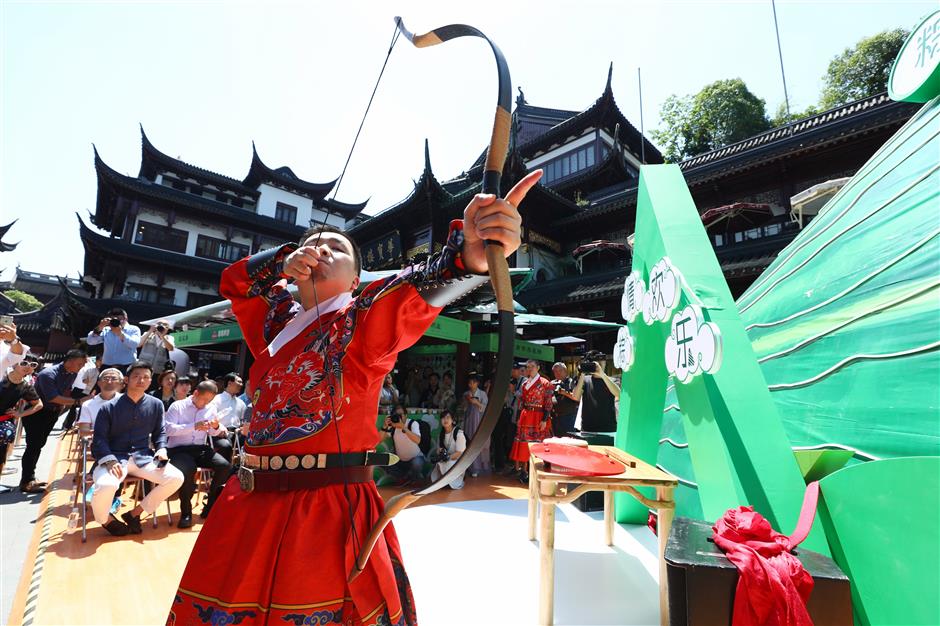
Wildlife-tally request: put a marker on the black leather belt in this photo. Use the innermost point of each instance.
(287, 480)
(316, 461)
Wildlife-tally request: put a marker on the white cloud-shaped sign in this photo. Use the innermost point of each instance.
(693, 345)
(662, 295)
(624, 349)
(632, 302)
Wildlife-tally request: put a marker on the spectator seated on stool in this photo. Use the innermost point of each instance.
(111, 381)
(125, 430)
(190, 425)
(230, 410)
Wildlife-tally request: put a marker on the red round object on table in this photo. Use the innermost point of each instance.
(576, 460)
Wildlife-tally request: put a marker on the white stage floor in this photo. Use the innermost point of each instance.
(470, 563)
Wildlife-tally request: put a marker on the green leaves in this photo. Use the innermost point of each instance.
(862, 71)
(721, 113)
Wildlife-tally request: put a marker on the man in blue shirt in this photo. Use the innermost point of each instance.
(127, 430)
(53, 385)
(120, 340)
(191, 424)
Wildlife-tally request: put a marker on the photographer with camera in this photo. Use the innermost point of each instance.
(597, 394)
(120, 340)
(406, 438)
(451, 444)
(155, 347)
(566, 406)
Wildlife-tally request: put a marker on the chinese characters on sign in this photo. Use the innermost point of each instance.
(383, 252)
(662, 296)
(693, 346)
(623, 349)
(632, 302)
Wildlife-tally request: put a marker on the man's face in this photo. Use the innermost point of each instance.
(448, 381)
(139, 380)
(110, 382)
(433, 380)
(73, 366)
(202, 398)
(337, 265)
(516, 372)
(235, 387)
(559, 372)
(531, 369)
(182, 389)
(473, 383)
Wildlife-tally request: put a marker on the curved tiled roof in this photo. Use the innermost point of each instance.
(284, 177)
(232, 215)
(153, 162)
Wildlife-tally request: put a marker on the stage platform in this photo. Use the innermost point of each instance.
(466, 553)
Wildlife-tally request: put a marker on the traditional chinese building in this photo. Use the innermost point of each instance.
(170, 230)
(43, 287)
(578, 220)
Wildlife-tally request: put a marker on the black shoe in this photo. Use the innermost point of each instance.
(524, 478)
(33, 487)
(133, 523)
(204, 513)
(185, 521)
(116, 528)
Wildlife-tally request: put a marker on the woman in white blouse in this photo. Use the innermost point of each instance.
(452, 442)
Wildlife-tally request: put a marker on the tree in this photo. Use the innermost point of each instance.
(862, 71)
(721, 113)
(781, 117)
(22, 300)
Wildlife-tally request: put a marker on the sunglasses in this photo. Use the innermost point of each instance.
(32, 364)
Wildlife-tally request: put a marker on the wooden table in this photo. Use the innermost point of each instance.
(547, 488)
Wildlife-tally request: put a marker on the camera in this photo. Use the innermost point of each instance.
(161, 328)
(587, 367)
(395, 417)
(114, 322)
(440, 456)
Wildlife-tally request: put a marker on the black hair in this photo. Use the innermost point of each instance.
(33, 357)
(139, 365)
(75, 353)
(473, 376)
(183, 380)
(327, 228)
(229, 378)
(117, 311)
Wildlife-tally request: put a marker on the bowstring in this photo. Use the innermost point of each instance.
(328, 370)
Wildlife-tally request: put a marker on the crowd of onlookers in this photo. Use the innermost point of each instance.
(142, 419)
(535, 407)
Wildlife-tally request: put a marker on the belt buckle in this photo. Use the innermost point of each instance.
(368, 452)
(246, 478)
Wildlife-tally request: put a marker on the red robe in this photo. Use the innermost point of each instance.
(284, 557)
(536, 407)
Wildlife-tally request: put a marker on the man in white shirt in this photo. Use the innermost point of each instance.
(84, 384)
(406, 437)
(190, 425)
(230, 410)
(110, 381)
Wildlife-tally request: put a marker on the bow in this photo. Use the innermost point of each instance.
(499, 277)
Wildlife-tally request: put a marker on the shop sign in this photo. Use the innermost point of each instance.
(915, 76)
(383, 251)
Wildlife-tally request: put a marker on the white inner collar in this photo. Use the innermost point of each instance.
(303, 319)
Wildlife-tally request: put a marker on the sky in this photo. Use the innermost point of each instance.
(205, 79)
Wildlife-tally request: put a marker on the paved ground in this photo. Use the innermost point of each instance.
(18, 512)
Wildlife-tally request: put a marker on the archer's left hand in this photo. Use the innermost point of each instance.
(488, 217)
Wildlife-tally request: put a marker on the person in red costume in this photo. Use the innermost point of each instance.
(535, 417)
(284, 534)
